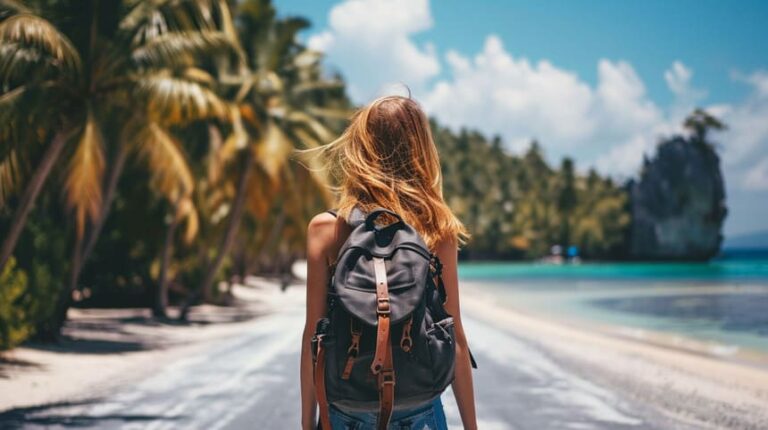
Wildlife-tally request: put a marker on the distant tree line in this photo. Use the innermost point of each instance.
(519, 206)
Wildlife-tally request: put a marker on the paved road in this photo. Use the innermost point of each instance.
(251, 381)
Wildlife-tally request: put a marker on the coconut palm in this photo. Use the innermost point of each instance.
(284, 103)
(110, 78)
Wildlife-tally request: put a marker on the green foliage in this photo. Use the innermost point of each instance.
(519, 206)
(44, 255)
(14, 322)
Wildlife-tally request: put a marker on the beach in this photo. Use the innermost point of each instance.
(238, 368)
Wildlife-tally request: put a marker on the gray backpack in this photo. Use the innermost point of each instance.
(387, 342)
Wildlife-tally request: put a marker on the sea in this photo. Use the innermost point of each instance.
(722, 303)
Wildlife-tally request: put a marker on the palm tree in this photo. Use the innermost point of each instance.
(281, 105)
(117, 72)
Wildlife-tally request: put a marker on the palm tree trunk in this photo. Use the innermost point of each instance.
(31, 192)
(161, 293)
(227, 240)
(65, 296)
(109, 196)
(277, 229)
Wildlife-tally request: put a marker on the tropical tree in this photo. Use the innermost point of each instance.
(282, 103)
(700, 122)
(566, 199)
(111, 78)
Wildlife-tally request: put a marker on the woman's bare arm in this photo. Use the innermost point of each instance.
(463, 389)
(321, 238)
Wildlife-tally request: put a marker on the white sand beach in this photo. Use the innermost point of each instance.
(223, 370)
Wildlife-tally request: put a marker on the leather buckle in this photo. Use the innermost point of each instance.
(387, 377)
(382, 306)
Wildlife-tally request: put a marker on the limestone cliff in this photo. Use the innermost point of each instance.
(678, 203)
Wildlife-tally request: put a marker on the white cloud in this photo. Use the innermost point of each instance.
(747, 122)
(745, 142)
(609, 125)
(756, 178)
(679, 81)
(759, 80)
(370, 41)
(622, 104)
(501, 94)
(678, 78)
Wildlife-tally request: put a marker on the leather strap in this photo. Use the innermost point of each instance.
(322, 400)
(386, 391)
(382, 310)
(382, 360)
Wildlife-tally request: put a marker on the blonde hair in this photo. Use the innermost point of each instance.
(386, 158)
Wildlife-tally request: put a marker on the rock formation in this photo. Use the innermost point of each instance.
(678, 203)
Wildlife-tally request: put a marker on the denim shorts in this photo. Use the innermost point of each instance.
(426, 417)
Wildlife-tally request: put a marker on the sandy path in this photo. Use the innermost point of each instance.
(249, 379)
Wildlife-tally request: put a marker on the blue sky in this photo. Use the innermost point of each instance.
(597, 80)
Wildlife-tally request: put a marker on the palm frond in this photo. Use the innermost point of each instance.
(261, 194)
(174, 100)
(12, 7)
(29, 43)
(188, 48)
(9, 177)
(186, 211)
(171, 174)
(227, 25)
(329, 113)
(152, 18)
(299, 118)
(282, 39)
(84, 176)
(273, 150)
(324, 85)
(198, 75)
(27, 113)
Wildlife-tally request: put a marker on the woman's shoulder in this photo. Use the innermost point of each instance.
(322, 223)
(325, 232)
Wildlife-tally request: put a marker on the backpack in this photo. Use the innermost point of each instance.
(386, 342)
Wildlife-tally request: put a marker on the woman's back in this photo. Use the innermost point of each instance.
(385, 158)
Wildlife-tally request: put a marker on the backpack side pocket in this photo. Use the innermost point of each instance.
(442, 349)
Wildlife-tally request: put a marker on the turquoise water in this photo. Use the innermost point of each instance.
(723, 302)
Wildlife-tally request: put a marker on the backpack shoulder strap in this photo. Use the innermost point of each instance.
(356, 217)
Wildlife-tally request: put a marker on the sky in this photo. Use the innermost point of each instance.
(600, 81)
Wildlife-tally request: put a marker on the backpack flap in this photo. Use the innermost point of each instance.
(355, 284)
(407, 266)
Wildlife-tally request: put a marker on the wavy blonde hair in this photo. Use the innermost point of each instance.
(386, 158)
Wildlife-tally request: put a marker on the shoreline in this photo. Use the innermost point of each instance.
(560, 308)
(703, 388)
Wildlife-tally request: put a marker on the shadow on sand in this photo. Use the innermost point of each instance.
(55, 414)
(130, 330)
(9, 364)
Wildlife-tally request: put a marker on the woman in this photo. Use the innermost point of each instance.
(387, 158)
